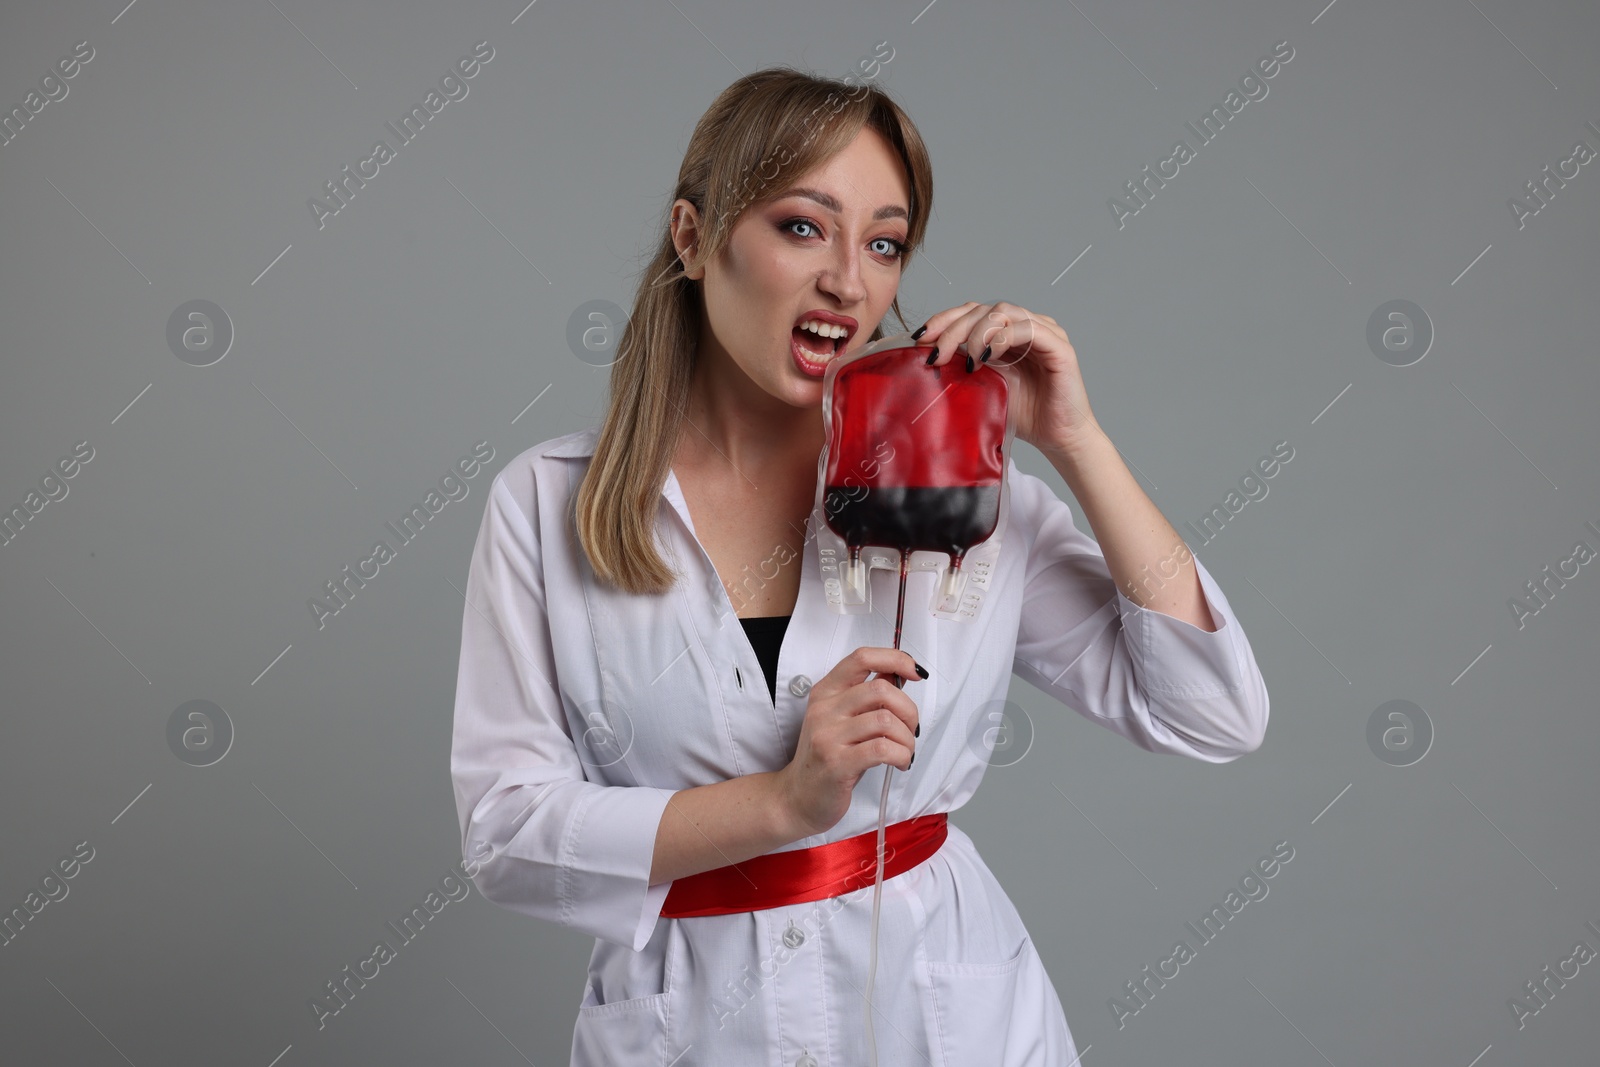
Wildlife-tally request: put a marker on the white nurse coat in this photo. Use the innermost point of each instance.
(580, 710)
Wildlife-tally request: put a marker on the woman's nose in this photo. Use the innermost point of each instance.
(843, 277)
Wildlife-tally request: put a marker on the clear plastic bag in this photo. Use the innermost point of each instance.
(913, 462)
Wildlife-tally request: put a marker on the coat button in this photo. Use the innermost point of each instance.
(794, 937)
(806, 1060)
(800, 685)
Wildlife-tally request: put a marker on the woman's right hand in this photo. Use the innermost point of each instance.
(851, 725)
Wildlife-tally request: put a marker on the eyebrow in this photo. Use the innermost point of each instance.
(888, 211)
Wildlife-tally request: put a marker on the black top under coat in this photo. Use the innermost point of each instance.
(766, 637)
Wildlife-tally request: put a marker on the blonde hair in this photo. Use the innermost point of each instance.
(775, 119)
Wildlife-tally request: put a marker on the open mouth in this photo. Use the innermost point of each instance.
(820, 341)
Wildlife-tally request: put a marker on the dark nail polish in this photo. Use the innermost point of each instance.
(971, 366)
(912, 760)
(986, 350)
(920, 331)
(932, 356)
(917, 732)
(922, 672)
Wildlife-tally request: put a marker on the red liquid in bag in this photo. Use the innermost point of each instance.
(944, 429)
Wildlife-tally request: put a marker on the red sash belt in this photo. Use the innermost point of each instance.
(804, 874)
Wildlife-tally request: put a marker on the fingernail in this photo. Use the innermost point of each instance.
(917, 733)
(986, 350)
(920, 331)
(912, 760)
(970, 365)
(922, 671)
(932, 356)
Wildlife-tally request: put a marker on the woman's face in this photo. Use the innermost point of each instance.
(832, 244)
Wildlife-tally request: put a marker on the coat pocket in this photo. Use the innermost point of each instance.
(972, 1006)
(629, 1031)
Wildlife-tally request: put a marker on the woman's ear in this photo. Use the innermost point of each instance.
(685, 231)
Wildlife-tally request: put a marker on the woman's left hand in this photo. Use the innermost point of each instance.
(1047, 393)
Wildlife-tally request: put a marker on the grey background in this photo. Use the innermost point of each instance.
(1228, 315)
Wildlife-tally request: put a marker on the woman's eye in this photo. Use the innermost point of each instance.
(895, 249)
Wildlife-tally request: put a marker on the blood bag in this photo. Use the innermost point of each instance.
(912, 477)
(913, 465)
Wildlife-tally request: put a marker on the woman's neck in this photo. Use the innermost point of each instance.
(750, 433)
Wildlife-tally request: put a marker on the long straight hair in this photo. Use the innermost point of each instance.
(758, 138)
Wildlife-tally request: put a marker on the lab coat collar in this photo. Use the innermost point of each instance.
(581, 445)
(573, 445)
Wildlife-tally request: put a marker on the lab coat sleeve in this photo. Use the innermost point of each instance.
(539, 838)
(1163, 683)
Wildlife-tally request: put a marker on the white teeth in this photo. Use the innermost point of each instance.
(823, 329)
(816, 357)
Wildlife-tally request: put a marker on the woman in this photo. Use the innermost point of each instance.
(615, 754)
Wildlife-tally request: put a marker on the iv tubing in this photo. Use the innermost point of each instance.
(883, 810)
